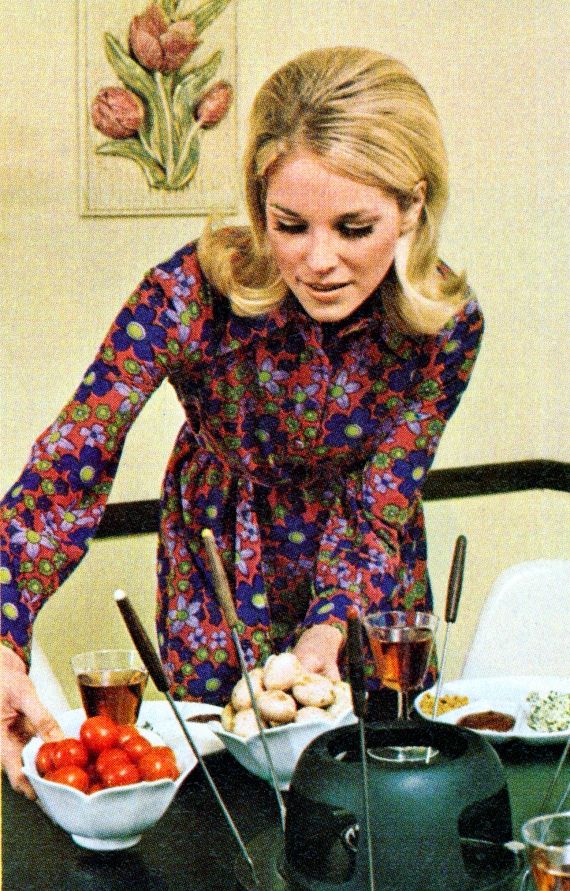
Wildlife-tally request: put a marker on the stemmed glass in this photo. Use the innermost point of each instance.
(401, 644)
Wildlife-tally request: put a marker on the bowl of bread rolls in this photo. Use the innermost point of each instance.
(295, 706)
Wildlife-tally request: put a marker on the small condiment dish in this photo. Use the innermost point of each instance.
(112, 818)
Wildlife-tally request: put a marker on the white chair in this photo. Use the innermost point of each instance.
(524, 626)
(47, 685)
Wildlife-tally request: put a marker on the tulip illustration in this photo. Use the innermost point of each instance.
(159, 45)
(209, 111)
(157, 116)
(117, 112)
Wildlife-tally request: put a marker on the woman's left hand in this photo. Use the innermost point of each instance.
(318, 649)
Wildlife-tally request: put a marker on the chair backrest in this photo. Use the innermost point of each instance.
(524, 626)
(47, 685)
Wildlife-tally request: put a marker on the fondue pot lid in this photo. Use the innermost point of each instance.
(441, 824)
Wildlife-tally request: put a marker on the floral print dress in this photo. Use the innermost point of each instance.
(304, 449)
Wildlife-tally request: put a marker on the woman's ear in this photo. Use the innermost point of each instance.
(411, 215)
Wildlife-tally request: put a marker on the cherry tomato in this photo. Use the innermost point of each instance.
(126, 733)
(44, 758)
(99, 733)
(72, 775)
(109, 757)
(95, 787)
(69, 751)
(120, 773)
(165, 752)
(156, 765)
(136, 747)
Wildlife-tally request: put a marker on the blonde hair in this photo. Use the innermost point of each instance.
(366, 117)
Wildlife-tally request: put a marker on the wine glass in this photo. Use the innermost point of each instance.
(401, 644)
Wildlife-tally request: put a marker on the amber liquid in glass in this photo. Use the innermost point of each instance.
(402, 656)
(116, 693)
(550, 878)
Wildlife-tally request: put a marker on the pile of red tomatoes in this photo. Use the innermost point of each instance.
(105, 755)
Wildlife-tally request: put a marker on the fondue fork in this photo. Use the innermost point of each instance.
(454, 586)
(224, 595)
(154, 666)
(358, 689)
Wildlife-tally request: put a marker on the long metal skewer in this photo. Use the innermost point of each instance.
(224, 595)
(553, 781)
(358, 689)
(451, 606)
(152, 662)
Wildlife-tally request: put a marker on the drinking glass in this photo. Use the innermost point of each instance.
(111, 682)
(401, 644)
(547, 843)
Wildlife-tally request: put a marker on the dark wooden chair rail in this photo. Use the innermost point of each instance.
(141, 517)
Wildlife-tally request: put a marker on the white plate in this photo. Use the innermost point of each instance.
(159, 717)
(502, 694)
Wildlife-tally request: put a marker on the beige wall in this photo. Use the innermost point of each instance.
(495, 70)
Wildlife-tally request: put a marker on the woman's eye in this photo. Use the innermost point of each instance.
(290, 228)
(355, 231)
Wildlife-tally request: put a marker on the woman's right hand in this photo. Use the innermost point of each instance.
(22, 716)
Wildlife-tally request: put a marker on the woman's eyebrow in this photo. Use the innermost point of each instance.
(349, 217)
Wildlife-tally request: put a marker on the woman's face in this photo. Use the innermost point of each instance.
(333, 238)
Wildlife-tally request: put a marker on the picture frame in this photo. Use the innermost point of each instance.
(128, 176)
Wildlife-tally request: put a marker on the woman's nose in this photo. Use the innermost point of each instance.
(321, 255)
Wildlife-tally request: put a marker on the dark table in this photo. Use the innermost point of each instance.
(191, 848)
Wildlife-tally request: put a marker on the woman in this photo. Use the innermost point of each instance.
(317, 353)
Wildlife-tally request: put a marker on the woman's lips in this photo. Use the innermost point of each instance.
(324, 289)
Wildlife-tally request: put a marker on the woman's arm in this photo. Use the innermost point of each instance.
(52, 512)
(372, 552)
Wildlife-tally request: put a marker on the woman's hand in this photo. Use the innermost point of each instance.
(22, 716)
(318, 649)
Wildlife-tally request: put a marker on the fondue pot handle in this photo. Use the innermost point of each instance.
(455, 579)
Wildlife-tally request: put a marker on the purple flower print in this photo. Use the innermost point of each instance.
(31, 540)
(94, 435)
(137, 331)
(340, 389)
(55, 440)
(82, 472)
(96, 380)
(184, 616)
(411, 471)
(350, 429)
(133, 397)
(269, 376)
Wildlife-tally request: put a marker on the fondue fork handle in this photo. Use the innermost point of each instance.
(454, 586)
(358, 689)
(224, 595)
(152, 662)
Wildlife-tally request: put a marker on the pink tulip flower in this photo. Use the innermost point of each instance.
(117, 112)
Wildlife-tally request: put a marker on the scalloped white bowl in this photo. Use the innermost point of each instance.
(111, 818)
(285, 743)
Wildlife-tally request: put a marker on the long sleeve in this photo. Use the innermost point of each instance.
(373, 551)
(51, 513)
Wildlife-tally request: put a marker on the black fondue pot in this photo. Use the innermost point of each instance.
(436, 826)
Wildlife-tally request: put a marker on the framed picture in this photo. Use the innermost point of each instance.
(158, 130)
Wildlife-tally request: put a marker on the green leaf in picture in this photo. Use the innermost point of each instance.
(203, 15)
(128, 70)
(134, 151)
(185, 171)
(192, 86)
(169, 7)
(155, 130)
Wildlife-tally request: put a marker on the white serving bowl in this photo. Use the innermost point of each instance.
(285, 744)
(111, 818)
